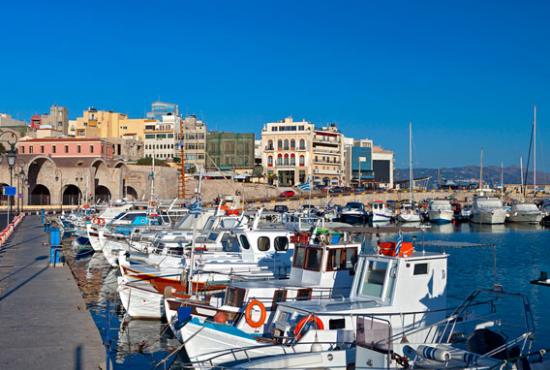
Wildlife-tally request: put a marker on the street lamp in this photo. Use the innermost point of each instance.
(11, 154)
(21, 180)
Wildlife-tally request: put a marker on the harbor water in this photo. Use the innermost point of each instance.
(512, 256)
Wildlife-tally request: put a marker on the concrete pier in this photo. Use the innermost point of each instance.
(44, 323)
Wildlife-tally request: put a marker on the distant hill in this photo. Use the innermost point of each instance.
(491, 174)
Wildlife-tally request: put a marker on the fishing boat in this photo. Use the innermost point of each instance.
(440, 211)
(380, 212)
(319, 271)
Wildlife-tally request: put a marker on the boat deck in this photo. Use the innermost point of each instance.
(44, 321)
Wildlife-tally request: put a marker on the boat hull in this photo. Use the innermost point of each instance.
(441, 216)
(526, 218)
(488, 217)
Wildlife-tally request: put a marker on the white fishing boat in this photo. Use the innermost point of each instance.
(488, 210)
(409, 289)
(380, 212)
(525, 213)
(440, 211)
(319, 271)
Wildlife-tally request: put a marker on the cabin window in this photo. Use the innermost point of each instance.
(299, 256)
(244, 242)
(281, 243)
(235, 297)
(373, 279)
(278, 296)
(341, 259)
(303, 294)
(334, 324)
(132, 216)
(420, 269)
(263, 243)
(230, 243)
(313, 259)
(213, 236)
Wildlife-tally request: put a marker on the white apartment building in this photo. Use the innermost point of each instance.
(295, 150)
(161, 138)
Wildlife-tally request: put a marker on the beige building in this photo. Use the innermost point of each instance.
(194, 139)
(295, 150)
(161, 138)
(106, 124)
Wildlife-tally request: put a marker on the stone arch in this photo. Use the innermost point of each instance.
(131, 193)
(71, 195)
(102, 194)
(40, 195)
(34, 167)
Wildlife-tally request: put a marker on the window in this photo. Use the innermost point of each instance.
(263, 244)
(373, 279)
(292, 144)
(54, 149)
(341, 259)
(313, 259)
(302, 160)
(280, 160)
(270, 161)
(278, 296)
(303, 294)
(66, 149)
(42, 149)
(302, 144)
(420, 269)
(270, 145)
(299, 256)
(292, 160)
(281, 243)
(78, 149)
(235, 297)
(22, 149)
(244, 242)
(286, 144)
(274, 128)
(334, 324)
(30, 149)
(279, 144)
(286, 160)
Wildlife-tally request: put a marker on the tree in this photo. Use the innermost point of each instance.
(149, 162)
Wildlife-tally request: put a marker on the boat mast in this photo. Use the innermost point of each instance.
(534, 149)
(411, 181)
(481, 170)
(521, 173)
(502, 176)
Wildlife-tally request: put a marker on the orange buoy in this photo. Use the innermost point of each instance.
(248, 314)
(298, 329)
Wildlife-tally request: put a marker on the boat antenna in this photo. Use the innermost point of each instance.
(528, 160)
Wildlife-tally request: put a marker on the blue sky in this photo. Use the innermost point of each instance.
(466, 73)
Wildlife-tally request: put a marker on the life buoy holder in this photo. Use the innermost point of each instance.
(248, 314)
(298, 329)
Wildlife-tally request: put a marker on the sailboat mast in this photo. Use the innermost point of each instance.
(521, 173)
(481, 170)
(411, 181)
(502, 176)
(534, 148)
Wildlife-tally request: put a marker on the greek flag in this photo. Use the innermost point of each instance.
(195, 208)
(306, 186)
(399, 243)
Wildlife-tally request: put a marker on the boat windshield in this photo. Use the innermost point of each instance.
(374, 276)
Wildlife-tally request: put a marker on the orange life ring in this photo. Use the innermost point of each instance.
(248, 314)
(297, 330)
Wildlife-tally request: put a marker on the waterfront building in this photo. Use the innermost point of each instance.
(161, 138)
(383, 167)
(194, 139)
(295, 150)
(106, 124)
(358, 161)
(229, 151)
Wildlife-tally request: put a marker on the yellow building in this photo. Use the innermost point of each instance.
(105, 124)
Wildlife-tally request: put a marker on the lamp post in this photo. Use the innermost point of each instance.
(21, 180)
(59, 177)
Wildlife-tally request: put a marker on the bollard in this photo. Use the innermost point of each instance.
(47, 227)
(42, 216)
(56, 255)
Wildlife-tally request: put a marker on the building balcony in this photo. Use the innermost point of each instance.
(269, 148)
